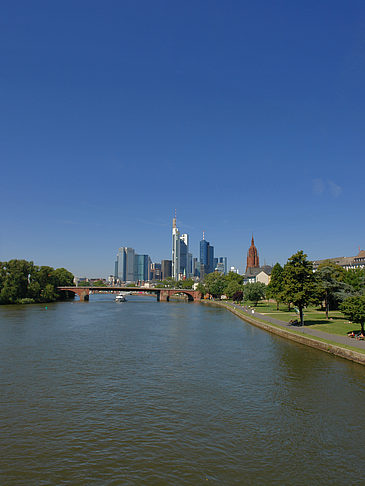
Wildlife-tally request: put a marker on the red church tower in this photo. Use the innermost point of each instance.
(252, 256)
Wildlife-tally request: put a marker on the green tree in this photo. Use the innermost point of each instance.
(99, 283)
(299, 286)
(254, 292)
(48, 294)
(22, 281)
(214, 284)
(330, 278)
(15, 278)
(275, 287)
(63, 277)
(355, 277)
(184, 284)
(237, 296)
(354, 308)
(234, 277)
(231, 287)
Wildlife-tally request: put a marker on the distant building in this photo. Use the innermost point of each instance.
(175, 250)
(184, 255)
(131, 267)
(347, 263)
(258, 274)
(180, 253)
(233, 269)
(189, 272)
(206, 257)
(195, 267)
(166, 269)
(221, 265)
(252, 256)
(141, 268)
(156, 272)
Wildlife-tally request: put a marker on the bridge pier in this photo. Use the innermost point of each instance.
(164, 296)
(83, 294)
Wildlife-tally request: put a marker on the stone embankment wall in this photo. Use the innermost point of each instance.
(335, 349)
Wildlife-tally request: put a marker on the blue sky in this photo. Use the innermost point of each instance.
(247, 117)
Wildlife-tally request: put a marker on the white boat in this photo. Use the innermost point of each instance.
(120, 297)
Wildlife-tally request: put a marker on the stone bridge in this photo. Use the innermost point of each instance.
(163, 295)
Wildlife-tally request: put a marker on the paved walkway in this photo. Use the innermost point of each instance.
(355, 343)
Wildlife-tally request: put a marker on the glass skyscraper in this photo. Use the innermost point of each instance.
(206, 257)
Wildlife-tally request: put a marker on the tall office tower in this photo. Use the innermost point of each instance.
(184, 251)
(195, 267)
(175, 250)
(116, 268)
(222, 265)
(129, 257)
(215, 263)
(155, 273)
(189, 273)
(141, 268)
(206, 257)
(166, 269)
(120, 264)
(125, 264)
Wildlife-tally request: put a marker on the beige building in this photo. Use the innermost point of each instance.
(357, 261)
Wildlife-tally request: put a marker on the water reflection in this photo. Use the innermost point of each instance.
(154, 393)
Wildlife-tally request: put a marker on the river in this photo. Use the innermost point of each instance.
(153, 393)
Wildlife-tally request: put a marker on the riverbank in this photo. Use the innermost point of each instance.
(341, 346)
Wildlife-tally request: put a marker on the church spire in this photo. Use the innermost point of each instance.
(252, 256)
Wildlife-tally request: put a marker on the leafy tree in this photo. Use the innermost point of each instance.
(22, 281)
(63, 277)
(15, 280)
(354, 308)
(48, 294)
(214, 284)
(355, 277)
(299, 286)
(83, 283)
(231, 288)
(234, 277)
(99, 283)
(330, 278)
(237, 296)
(275, 287)
(185, 284)
(254, 292)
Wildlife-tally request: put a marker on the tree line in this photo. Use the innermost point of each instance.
(23, 282)
(297, 284)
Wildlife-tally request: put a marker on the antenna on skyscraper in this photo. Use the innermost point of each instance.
(203, 235)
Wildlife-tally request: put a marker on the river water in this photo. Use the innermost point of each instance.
(148, 393)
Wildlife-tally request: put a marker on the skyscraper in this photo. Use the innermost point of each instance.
(129, 258)
(184, 252)
(180, 252)
(206, 257)
(166, 269)
(175, 250)
(120, 265)
(222, 265)
(141, 268)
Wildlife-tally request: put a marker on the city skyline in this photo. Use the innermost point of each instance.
(247, 119)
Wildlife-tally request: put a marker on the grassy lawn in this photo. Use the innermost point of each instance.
(294, 331)
(336, 324)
